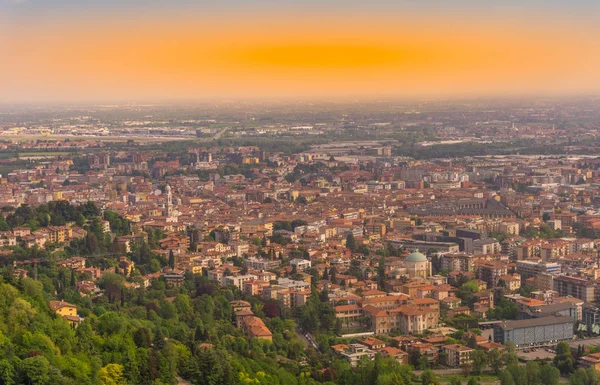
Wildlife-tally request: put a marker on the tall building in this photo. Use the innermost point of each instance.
(491, 272)
(580, 288)
(457, 262)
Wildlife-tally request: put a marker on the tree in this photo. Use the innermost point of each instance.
(111, 374)
(517, 374)
(171, 259)
(73, 278)
(533, 372)
(509, 356)
(495, 360)
(505, 310)
(301, 200)
(480, 360)
(505, 378)
(455, 381)
(549, 375)
(428, 377)
(332, 274)
(36, 370)
(473, 381)
(467, 289)
(351, 242)
(414, 357)
(7, 372)
(564, 360)
(582, 376)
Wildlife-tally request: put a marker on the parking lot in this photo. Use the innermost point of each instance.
(534, 355)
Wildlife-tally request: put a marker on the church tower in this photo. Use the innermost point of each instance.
(169, 209)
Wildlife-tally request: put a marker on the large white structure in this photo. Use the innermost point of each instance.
(417, 265)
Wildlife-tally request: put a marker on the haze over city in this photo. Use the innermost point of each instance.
(183, 50)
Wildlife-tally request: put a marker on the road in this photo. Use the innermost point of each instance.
(219, 134)
(307, 338)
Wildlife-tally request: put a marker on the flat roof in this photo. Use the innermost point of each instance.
(543, 321)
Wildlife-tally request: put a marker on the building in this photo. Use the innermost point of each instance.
(457, 262)
(590, 317)
(261, 264)
(174, 278)
(253, 326)
(511, 281)
(398, 354)
(353, 353)
(535, 332)
(300, 264)
(589, 361)
(406, 319)
(239, 280)
(510, 228)
(415, 245)
(457, 355)
(486, 246)
(529, 269)
(417, 265)
(7, 238)
(67, 311)
(491, 272)
(576, 287)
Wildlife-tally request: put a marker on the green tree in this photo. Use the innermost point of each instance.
(111, 374)
(509, 355)
(7, 372)
(428, 378)
(495, 360)
(171, 259)
(467, 289)
(505, 378)
(564, 360)
(588, 376)
(351, 242)
(36, 370)
(533, 373)
(549, 375)
(480, 360)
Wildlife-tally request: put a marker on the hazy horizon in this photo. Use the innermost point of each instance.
(138, 50)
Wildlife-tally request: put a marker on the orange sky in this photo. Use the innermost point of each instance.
(286, 56)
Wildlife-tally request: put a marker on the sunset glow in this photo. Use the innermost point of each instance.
(270, 55)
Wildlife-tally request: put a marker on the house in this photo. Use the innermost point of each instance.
(174, 278)
(372, 343)
(353, 353)
(86, 288)
(458, 355)
(72, 263)
(589, 361)
(300, 264)
(395, 353)
(253, 326)
(126, 266)
(67, 311)
(7, 238)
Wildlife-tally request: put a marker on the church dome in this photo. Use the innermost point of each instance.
(416, 257)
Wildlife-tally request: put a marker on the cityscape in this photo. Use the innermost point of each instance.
(254, 192)
(438, 239)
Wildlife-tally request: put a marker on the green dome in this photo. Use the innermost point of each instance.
(416, 257)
